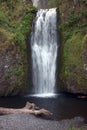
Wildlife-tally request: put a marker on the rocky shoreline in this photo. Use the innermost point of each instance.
(30, 122)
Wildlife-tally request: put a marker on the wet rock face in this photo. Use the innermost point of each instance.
(9, 62)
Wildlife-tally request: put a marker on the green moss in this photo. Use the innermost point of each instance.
(4, 21)
(72, 65)
(23, 29)
(52, 3)
(17, 19)
(19, 72)
(85, 39)
(15, 25)
(73, 128)
(5, 39)
(5, 35)
(73, 28)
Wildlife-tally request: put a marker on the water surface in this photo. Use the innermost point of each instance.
(62, 106)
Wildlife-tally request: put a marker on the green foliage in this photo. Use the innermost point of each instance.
(17, 18)
(19, 39)
(72, 65)
(27, 20)
(4, 21)
(73, 27)
(10, 3)
(52, 3)
(15, 25)
(85, 40)
(23, 29)
(73, 18)
(19, 71)
(73, 128)
(71, 52)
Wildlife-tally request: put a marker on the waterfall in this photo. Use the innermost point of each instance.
(35, 3)
(40, 4)
(44, 45)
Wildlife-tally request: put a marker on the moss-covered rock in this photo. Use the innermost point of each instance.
(74, 73)
(73, 28)
(15, 25)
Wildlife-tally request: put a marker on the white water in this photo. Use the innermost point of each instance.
(40, 4)
(44, 51)
(48, 95)
(35, 3)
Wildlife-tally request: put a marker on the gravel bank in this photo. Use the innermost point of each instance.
(30, 122)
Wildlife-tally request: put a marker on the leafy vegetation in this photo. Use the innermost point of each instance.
(73, 60)
(73, 28)
(15, 25)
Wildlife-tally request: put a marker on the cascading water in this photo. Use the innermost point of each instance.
(44, 45)
(35, 3)
(40, 4)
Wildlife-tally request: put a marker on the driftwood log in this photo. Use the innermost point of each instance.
(30, 108)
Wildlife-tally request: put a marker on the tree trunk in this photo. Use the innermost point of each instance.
(30, 108)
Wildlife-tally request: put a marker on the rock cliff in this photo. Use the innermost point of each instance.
(15, 24)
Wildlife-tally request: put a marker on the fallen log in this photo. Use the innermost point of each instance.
(30, 108)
